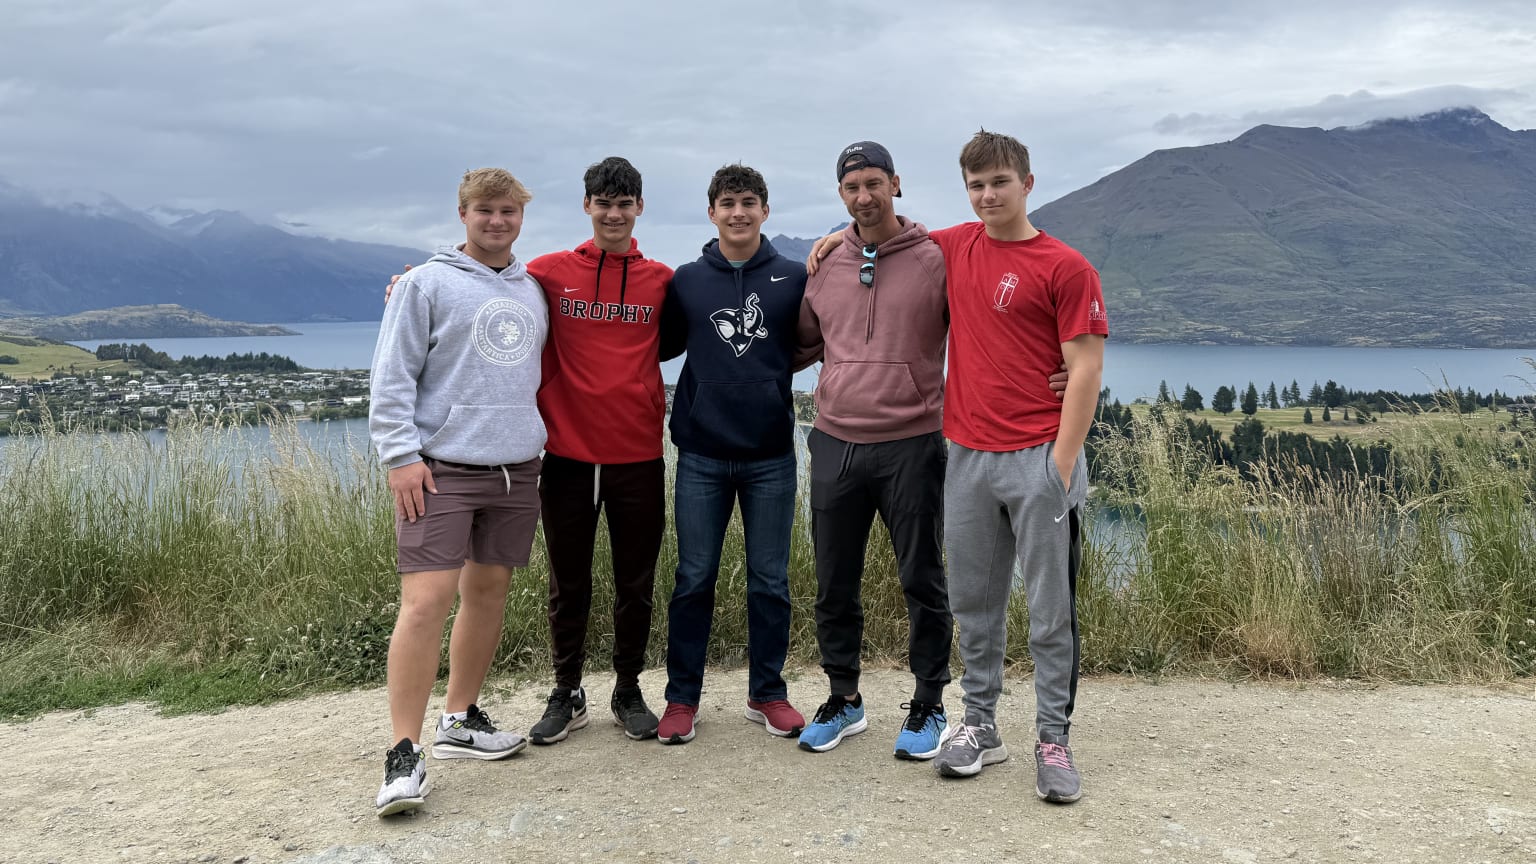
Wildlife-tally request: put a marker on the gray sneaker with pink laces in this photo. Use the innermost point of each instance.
(1056, 778)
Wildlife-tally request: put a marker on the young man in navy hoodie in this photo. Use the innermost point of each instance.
(734, 311)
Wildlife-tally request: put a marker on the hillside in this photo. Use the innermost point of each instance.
(134, 322)
(41, 358)
(1417, 232)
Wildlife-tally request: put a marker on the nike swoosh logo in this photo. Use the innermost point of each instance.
(569, 290)
(777, 278)
(1061, 517)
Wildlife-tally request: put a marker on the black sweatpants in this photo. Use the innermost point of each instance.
(633, 495)
(903, 481)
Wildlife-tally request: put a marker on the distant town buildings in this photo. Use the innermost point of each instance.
(152, 397)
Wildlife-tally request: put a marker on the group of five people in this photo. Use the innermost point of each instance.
(483, 363)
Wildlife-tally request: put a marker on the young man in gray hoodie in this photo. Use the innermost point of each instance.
(453, 415)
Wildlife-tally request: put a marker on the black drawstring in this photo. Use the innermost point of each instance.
(624, 281)
(602, 255)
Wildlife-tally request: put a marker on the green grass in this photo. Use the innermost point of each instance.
(196, 575)
(40, 358)
(1387, 426)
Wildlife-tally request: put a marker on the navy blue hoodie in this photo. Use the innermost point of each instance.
(738, 326)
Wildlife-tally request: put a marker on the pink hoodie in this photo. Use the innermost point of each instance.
(882, 376)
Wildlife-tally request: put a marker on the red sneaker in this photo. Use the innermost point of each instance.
(778, 715)
(676, 725)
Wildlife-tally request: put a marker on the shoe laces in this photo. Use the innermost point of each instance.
(678, 709)
(559, 702)
(629, 701)
(399, 763)
(830, 709)
(1056, 756)
(479, 721)
(919, 713)
(966, 737)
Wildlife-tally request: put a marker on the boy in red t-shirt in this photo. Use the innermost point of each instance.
(1021, 303)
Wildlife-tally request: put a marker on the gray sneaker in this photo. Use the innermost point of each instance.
(475, 737)
(405, 780)
(1056, 778)
(968, 748)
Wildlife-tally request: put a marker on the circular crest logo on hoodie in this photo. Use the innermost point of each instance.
(506, 331)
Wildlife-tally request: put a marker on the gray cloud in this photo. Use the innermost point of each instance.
(1344, 110)
(356, 119)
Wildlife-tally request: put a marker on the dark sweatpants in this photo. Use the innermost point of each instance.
(633, 495)
(903, 481)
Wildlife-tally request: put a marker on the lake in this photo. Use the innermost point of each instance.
(1129, 370)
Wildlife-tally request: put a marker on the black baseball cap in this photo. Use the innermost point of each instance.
(865, 154)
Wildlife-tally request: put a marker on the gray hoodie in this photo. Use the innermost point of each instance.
(456, 367)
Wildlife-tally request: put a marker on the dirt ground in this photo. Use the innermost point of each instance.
(1182, 770)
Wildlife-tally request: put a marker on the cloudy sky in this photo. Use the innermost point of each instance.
(357, 118)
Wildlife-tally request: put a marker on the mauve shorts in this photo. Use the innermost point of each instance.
(484, 515)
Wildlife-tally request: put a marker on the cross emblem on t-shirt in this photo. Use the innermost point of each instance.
(1004, 294)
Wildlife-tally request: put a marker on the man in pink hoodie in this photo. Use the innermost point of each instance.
(875, 312)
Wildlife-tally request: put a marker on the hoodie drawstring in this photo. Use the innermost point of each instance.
(847, 460)
(597, 292)
(869, 316)
(624, 281)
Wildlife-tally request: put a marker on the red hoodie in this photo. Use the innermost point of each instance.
(602, 399)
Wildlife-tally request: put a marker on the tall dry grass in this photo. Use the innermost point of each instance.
(208, 569)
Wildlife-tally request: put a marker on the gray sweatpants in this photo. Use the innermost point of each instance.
(999, 507)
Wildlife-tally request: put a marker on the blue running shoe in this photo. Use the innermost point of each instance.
(919, 738)
(835, 719)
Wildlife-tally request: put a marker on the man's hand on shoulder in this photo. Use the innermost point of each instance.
(822, 249)
(390, 288)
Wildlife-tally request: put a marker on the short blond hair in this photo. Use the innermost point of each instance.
(485, 183)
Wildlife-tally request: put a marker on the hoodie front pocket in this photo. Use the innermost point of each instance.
(744, 415)
(870, 394)
(488, 435)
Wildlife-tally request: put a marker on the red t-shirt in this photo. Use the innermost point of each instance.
(1011, 306)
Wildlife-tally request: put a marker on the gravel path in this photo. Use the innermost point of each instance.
(1184, 770)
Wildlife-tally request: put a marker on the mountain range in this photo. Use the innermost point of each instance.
(59, 259)
(1403, 232)
(1410, 232)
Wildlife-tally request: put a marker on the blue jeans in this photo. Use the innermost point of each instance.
(706, 492)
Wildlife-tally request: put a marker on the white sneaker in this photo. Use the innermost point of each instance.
(475, 737)
(405, 780)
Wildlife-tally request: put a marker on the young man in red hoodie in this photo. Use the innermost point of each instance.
(603, 403)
